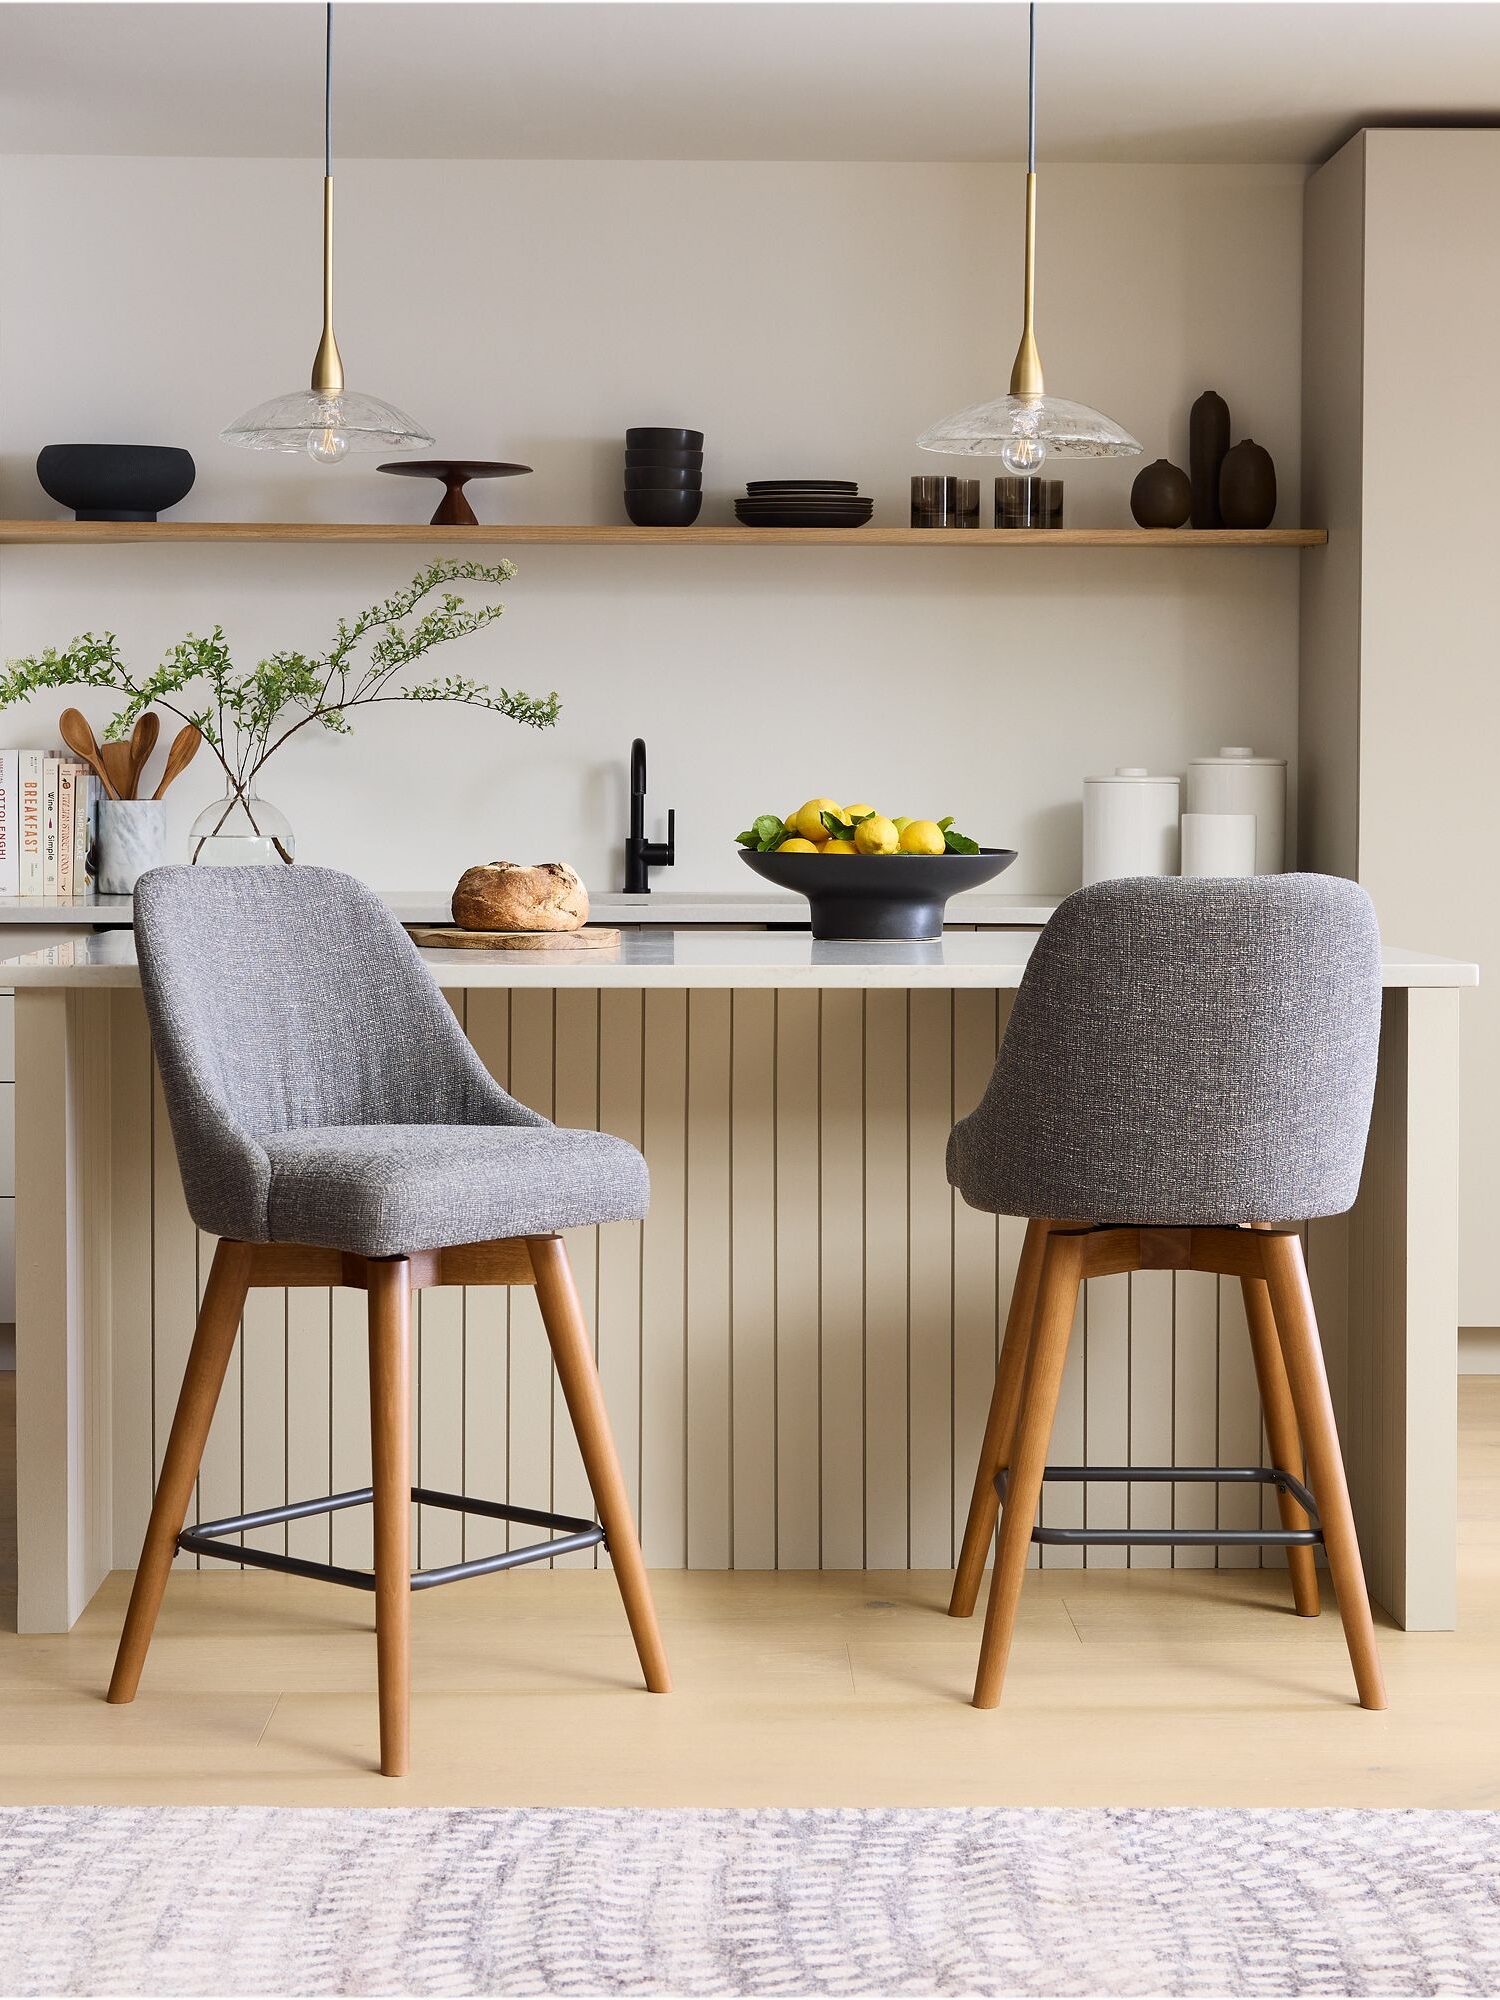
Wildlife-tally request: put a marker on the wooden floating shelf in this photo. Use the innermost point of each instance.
(519, 534)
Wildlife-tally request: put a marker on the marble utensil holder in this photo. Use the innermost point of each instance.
(131, 837)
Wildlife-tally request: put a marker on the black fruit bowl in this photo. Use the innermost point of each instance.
(662, 506)
(879, 895)
(115, 482)
(661, 437)
(677, 461)
(684, 478)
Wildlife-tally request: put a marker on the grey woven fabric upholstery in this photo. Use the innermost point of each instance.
(1185, 1052)
(321, 1090)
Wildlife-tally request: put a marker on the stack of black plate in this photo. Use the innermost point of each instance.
(803, 503)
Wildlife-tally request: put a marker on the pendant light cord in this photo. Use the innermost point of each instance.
(328, 84)
(1030, 95)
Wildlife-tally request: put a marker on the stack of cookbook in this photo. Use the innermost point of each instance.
(47, 809)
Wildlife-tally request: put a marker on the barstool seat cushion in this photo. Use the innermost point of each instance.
(387, 1190)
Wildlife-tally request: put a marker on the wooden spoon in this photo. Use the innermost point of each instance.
(121, 769)
(142, 743)
(184, 749)
(73, 727)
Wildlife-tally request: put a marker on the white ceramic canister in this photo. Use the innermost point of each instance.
(1237, 781)
(1129, 825)
(1218, 843)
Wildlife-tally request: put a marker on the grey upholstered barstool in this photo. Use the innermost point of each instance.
(334, 1126)
(1188, 1071)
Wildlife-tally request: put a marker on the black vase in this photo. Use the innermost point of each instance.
(1162, 496)
(1247, 486)
(1208, 441)
(115, 482)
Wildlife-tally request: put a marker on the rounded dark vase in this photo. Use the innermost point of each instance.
(1247, 487)
(1162, 496)
(1208, 441)
(116, 482)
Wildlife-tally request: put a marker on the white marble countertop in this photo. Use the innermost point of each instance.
(688, 958)
(674, 907)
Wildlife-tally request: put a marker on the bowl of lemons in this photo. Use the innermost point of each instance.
(865, 875)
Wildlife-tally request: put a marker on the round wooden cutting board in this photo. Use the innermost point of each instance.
(448, 937)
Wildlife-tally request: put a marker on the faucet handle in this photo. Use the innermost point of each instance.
(671, 854)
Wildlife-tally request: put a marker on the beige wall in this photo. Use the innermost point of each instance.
(1405, 305)
(813, 319)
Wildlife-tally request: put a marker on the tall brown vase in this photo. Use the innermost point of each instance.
(1208, 445)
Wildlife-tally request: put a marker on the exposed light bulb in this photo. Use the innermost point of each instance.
(1023, 454)
(327, 446)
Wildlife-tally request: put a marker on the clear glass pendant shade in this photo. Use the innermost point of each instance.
(326, 426)
(1026, 430)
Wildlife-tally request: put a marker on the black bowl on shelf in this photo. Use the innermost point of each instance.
(662, 437)
(684, 477)
(679, 461)
(663, 506)
(879, 895)
(116, 482)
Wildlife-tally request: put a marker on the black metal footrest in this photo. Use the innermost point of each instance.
(208, 1538)
(1177, 1538)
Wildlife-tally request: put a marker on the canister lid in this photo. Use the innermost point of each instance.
(1237, 753)
(1133, 774)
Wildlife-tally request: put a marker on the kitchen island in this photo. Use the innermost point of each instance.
(799, 1343)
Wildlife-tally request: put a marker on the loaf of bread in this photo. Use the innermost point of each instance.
(504, 896)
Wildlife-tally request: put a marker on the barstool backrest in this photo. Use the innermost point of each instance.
(281, 998)
(1185, 1052)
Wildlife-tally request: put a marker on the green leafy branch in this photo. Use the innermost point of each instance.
(246, 715)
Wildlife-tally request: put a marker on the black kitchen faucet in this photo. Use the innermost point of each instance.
(641, 855)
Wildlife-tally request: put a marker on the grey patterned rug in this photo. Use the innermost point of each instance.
(391, 1901)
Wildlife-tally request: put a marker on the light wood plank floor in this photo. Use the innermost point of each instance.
(1147, 1687)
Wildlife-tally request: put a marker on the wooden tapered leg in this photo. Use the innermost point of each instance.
(1297, 1326)
(984, 1506)
(208, 1359)
(390, 1452)
(573, 1357)
(1057, 1299)
(1281, 1435)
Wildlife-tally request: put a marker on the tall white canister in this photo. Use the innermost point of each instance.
(1237, 781)
(1130, 823)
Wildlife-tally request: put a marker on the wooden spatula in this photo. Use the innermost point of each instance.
(121, 768)
(184, 749)
(73, 727)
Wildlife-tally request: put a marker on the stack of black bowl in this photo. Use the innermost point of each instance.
(663, 476)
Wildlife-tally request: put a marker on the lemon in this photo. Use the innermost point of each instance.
(922, 836)
(858, 812)
(901, 824)
(807, 821)
(798, 847)
(876, 836)
(840, 847)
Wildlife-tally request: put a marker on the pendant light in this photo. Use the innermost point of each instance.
(327, 420)
(1021, 429)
